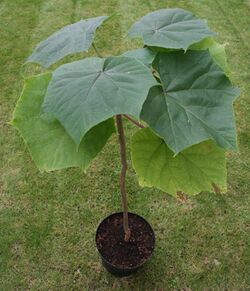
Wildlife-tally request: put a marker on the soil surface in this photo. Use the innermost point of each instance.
(110, 241)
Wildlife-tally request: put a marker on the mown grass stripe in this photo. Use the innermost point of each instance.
(235, 30)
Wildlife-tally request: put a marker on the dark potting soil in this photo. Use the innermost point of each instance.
(110, 241)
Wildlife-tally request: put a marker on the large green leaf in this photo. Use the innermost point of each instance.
(216, 50)
(170, 28)
(72, 38)
(84, 93)
(195, 102)
(201, 167)
(49, 144)
(145, 55)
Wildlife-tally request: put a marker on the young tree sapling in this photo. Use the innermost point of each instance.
(175, 89)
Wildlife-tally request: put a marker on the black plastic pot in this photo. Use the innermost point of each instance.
(116, 270)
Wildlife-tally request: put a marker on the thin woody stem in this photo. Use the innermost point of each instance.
(124, 168)
(137, 123)
(123, 177)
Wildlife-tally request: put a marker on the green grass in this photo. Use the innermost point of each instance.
(48, 221)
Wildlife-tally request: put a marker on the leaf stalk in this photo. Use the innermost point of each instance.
(96, 50)
(137, 123)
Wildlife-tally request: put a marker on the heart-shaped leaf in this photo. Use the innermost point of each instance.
(195, 102)
(145, 55)
(72, 38)
(87, 92)
(49, 144)
(170, 28)
(201, 167)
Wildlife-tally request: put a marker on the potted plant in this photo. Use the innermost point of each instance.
(175, 89)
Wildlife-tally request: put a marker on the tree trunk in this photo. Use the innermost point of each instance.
(123, 176)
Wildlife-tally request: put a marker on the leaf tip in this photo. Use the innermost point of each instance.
(181, 196)
(216, 189)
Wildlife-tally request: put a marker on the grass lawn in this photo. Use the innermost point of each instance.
(48, 221)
